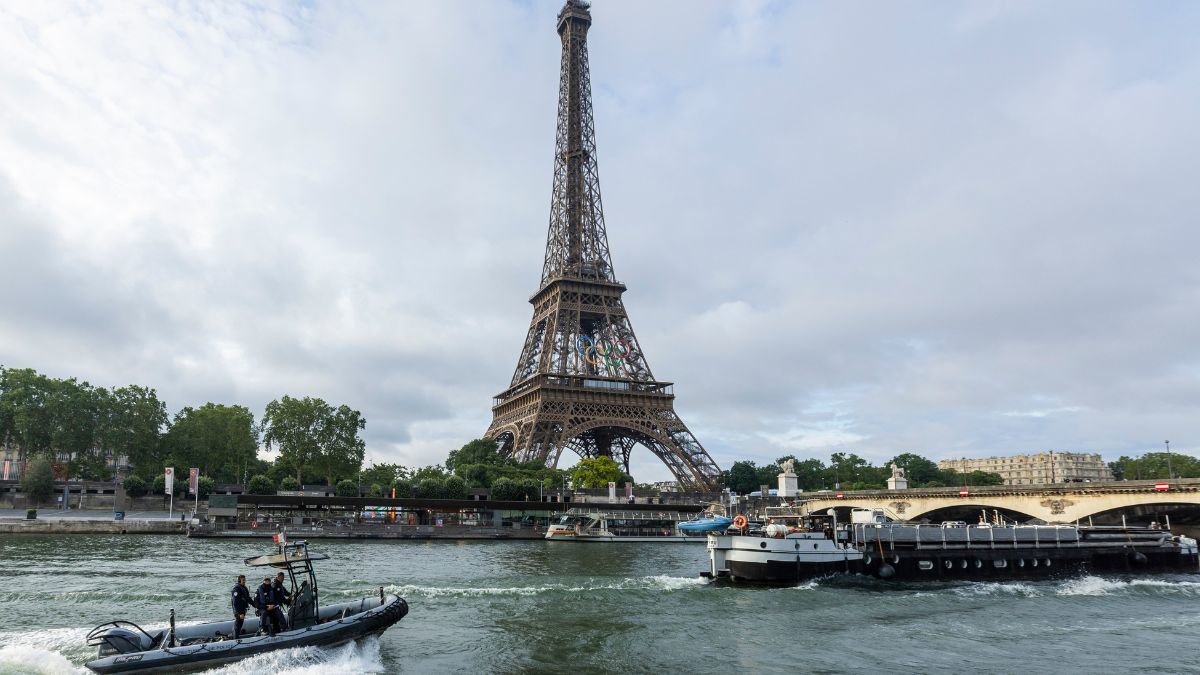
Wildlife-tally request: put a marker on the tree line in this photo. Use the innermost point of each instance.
(848, 471)
(88, 429)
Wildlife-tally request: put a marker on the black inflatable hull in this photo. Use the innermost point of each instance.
(201, 656)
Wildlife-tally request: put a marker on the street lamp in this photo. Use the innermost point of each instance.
(1170, 471)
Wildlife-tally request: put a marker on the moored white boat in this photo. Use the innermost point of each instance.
(584, 525)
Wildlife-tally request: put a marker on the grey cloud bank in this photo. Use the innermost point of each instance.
(959, 231)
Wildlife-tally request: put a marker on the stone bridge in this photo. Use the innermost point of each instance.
(1138, 501)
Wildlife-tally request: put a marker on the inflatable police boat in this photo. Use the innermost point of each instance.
(126, 648)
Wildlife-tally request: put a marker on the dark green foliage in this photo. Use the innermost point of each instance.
(347, 488)
(220, 440)
(530, 489)
(505, 489)
(455, 488)
(429, 488)
(918, 470)
(260, 485)
(984, 478)
(435, 471)
(1154, 466)
(376, 490)
(38, 481)
(88, 425)
(403, 488)
(135, 486)
(311, 433)
(289, 483)
(159, 485)
(383, 474)
(205, 485)
(595, 472)
(478, 451)
(742, 477)
(30, 514)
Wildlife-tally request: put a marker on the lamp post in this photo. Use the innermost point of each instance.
(1170, 471)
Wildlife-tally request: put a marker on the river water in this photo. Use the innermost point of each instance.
(531, 606)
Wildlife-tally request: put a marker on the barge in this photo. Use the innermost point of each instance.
(795, 548)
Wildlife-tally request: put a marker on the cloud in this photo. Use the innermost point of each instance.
(950, 230)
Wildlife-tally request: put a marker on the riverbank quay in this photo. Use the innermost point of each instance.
(91, 525)
(323, 517)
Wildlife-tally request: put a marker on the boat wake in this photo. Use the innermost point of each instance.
(356, 657)
(29, 660)
(660, 582)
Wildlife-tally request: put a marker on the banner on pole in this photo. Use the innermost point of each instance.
(6, 464)
(169, 481)
(193, 480)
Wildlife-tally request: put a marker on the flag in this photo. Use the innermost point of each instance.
(193, 480)
(169, 481)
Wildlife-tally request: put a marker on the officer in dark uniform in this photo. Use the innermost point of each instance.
(282, 598)
(268, 610)
(241, 602)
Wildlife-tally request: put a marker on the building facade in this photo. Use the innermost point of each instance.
(1037, 469)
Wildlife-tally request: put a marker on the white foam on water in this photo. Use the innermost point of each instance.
(807, 586)
(27, 660)
(660, 582)
(994, 588)
(1096, 586)
(356, 657)
(670, 583)
(48, 639)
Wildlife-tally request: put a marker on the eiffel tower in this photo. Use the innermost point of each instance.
(582, 382)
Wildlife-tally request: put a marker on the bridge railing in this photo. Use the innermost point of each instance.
(1133, 486)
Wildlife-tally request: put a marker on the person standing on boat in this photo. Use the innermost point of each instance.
(268, 609)
(241, 603)
(282, 598)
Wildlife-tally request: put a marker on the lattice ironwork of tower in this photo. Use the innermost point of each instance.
(582, 382)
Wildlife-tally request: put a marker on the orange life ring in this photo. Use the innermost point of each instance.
(740, 522)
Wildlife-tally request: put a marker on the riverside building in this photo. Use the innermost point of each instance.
(1037, 469)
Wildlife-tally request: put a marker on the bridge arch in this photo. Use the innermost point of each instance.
(972, 512)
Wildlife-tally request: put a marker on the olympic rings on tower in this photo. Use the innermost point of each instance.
(603, 351)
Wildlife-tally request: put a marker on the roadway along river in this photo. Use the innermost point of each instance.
(558, 607)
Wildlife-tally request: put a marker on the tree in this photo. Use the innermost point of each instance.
(403, 489)
(347, 488)
(435, 471)
(135, 486)
(918, 470)
(504, 489)
(134, 427)
(429, 488)
(478, 451)
(596, 472)
(376, 490)
(383, 474)
(978, 477)
(742, 477)
(204, 486)
(290, 484)
(220, 440)
(159, 485)
(38, 481)
(260, 485)
(455, 488)
(310, 432)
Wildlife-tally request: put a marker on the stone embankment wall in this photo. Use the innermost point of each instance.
(89, 526)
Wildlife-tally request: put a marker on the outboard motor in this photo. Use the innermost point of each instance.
(118, 640)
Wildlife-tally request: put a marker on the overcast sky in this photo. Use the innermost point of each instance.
(958, 229)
